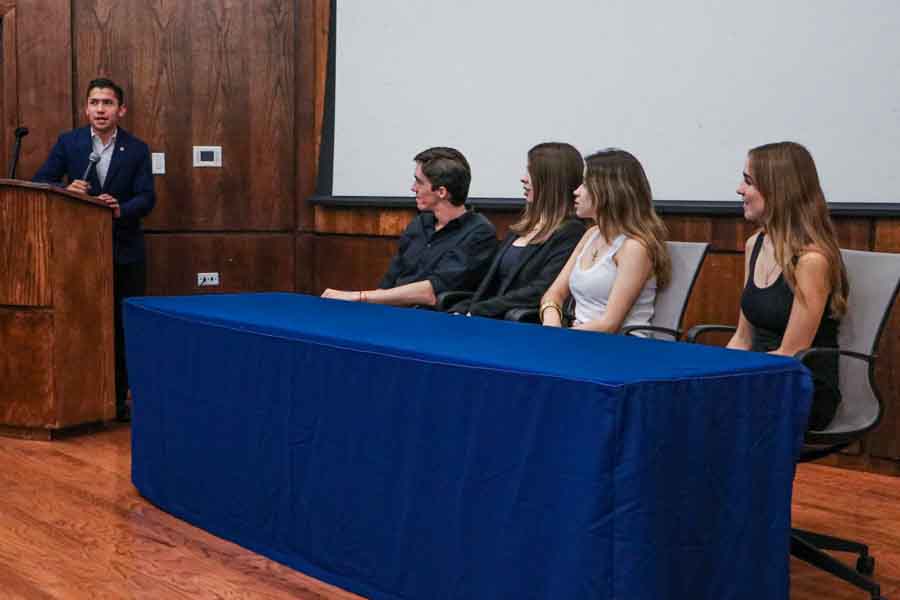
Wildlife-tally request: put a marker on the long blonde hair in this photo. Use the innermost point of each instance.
(555, 170)
(796, 215)
(624, 204)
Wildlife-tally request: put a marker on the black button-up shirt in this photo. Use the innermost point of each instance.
(454, 258)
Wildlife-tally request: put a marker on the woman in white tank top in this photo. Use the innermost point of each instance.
(614, 272)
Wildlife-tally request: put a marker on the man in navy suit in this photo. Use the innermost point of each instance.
(120, 175)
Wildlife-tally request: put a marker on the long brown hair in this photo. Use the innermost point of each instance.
(555, 169)
(624, 204)
(796, 215)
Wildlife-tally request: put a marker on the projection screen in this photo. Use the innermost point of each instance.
(687, 86)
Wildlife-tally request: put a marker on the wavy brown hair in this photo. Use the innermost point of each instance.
(624, 204)
(555, 169)
(796, 215)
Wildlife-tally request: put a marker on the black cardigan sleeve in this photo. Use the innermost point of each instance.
(535, 277)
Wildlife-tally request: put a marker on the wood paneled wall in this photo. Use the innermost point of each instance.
(9, 99)
(250, 76)
(43, 56)
(246, 76)
(212, 73)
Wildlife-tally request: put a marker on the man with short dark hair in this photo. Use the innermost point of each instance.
(106, 161)
(446, 247)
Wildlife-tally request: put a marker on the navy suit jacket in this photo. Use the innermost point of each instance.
(128, 179)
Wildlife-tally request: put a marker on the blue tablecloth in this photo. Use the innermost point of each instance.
(405, 454)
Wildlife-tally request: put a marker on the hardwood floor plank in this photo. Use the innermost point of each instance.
(851, 504)
(71, 504)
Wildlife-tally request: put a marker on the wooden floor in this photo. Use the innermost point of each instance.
(73, 526)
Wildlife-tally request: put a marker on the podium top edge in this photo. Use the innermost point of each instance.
(46, 187)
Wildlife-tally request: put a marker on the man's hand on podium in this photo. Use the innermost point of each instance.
(112, 203)
(79, 185)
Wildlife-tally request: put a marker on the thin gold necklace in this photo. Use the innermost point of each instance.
(767, 276)
(595, 251)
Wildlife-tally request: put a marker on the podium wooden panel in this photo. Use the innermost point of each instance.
(56, 310)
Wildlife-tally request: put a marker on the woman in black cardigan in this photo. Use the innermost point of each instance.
(538, 246)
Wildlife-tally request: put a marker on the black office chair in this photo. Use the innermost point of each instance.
(874, 279)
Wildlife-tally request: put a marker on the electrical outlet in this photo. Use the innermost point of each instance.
(207, 279)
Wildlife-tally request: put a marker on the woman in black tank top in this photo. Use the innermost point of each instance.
(795, 285)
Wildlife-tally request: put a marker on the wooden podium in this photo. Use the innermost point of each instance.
(56, 310)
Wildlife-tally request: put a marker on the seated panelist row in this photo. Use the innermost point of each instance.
(447, 248)
(795, 285)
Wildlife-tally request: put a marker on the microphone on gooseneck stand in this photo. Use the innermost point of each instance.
(19, 133)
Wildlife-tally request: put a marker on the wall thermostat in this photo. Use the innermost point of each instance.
(207, 156)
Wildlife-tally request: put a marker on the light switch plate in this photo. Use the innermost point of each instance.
(158, 163)
(207, 156)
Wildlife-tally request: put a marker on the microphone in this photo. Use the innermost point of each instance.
(20, 132)
(93, 159)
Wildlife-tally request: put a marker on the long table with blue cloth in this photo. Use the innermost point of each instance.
(407, 454)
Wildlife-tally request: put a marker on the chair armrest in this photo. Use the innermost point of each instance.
(522, 315)
(698, 330)
(673, 333)
(446, 300)
(820, 444)
(819, 351)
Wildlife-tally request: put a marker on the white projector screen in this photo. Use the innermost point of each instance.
(687, 86)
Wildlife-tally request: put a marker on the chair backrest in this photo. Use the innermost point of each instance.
(874, 278)
(687, 257)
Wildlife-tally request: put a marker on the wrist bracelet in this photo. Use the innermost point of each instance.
(547, 305)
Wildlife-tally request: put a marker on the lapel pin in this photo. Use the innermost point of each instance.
(121, 148)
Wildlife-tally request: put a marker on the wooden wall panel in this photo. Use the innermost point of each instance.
(9, 96)
(730, 233)
(213, 73)
(388, 221)
(854, 233)
(885, 441)
(502, 220)
(312, 57)
(351, 262)
(887, 235)
(44, 73)
(689, 228)
(305, 261)
(252, 262)
(363, 221)
(717, 294)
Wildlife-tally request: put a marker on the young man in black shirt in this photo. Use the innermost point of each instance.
(446, 247)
